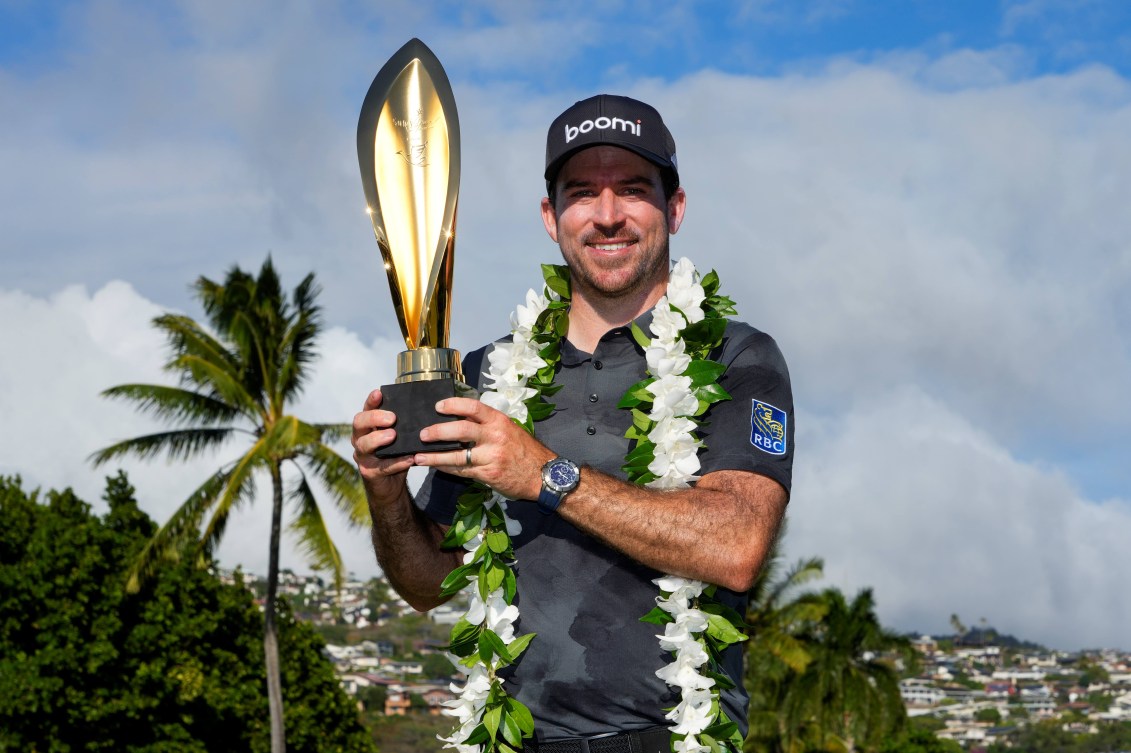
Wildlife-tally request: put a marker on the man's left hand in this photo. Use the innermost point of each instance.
(503, 455)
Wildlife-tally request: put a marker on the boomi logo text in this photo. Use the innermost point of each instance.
(602, 122)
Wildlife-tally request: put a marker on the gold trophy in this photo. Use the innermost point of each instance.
(408, 149)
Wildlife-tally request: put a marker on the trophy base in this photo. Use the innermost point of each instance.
(415, 406)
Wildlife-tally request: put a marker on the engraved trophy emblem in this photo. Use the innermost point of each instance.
(408, 150)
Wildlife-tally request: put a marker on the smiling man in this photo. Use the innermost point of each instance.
(591, 543)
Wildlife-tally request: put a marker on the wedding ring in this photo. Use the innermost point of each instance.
(467, 456)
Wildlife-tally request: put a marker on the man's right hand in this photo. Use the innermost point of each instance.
(384, 478)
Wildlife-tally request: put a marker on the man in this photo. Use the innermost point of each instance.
(586, 560)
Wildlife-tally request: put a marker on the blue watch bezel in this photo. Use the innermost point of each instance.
(552, 494)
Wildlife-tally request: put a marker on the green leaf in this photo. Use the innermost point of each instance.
(637, 394)
(561, 326)
(710, 283)
(704, 372)
(719, 628)
(457, 579)
(498, 541)
(538, 408)
(640, 420)
(510, 586)
(705, 332)
(721, 680)
(638, 335)
(496, 574)
(462, 530)
(521, 715)
(519, 644)
(711, 393)
(511, 731)
(491, 644)
(491, 718)
(657, 617)
(478, 736)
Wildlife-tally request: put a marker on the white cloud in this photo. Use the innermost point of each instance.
(941, 221)
(70, 347)
(906, 495)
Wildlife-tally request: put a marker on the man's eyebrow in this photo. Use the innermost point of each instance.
(632, 180)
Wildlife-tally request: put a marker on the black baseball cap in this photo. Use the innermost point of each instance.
(616, 121)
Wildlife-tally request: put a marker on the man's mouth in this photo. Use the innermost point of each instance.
(611, 246)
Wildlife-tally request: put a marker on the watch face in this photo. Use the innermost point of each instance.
(563, 475)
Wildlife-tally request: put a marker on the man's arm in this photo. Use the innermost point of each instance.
(719, 531)
(407, 541)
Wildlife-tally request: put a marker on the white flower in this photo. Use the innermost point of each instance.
(510, 400)
(690, 744)
(683, 673)
(693, 713)
(666, 322)
(684, 588)
(524, 317)
(685, 292)
(500, 616)
(667, 357)
(510, 362)
(672, 397)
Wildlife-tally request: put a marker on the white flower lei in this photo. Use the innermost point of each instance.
(678, 388)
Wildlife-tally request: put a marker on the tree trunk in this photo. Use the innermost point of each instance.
(270, 629)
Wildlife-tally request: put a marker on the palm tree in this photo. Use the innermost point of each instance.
(847, 697)
(779, 616)
(238, 380)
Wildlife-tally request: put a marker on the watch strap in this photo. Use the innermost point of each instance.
(548, 501)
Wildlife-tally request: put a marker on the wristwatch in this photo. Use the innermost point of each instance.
(559, 478)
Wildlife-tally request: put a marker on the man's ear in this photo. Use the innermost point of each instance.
(677, 204)
(550, 219)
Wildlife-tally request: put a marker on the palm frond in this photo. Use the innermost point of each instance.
(296, 354)
(343, 482)
(174, 404)
(179, 444)
(181, 529)
(230, 387)
(333, 432)
(240, 488)
(185, 335)
(314, 538)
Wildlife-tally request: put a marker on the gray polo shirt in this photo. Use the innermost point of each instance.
(591, 668)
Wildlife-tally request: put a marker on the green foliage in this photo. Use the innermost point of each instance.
(816, 671)
(990, 715)
(920, 741)
(1049, 736)
(85, 666)
(237, 378)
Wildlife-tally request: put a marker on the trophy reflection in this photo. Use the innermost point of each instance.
(408, 149)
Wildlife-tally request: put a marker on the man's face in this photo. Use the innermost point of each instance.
(611, 221)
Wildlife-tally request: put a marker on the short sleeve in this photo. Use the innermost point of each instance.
(754, 430)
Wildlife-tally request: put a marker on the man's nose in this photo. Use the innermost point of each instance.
(607, 211)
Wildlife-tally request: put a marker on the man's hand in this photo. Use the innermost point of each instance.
(384, 478)
(503, 455)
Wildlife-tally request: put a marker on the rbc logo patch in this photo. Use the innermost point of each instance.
(767, 427)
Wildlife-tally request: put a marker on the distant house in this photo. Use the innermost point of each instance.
(919, 692)
(397, 702)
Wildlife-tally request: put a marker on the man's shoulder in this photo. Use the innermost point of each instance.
(748, 343)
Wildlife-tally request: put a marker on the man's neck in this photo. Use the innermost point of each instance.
(590, 317)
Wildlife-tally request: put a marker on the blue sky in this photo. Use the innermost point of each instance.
(923, 202)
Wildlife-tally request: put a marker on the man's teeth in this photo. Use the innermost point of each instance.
(611, 246)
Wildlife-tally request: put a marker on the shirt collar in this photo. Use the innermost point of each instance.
(618, 341)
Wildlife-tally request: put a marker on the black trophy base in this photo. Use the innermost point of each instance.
(415, 406)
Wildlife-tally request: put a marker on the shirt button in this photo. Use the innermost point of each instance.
(593, 398)
(598, 365)
(590, 430)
